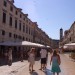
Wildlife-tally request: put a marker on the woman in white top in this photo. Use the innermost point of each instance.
(31, 59)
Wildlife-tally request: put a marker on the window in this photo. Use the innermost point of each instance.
(16, 24)
(23, 27)
(26, 39)
(24, 18)
(20, 15)
(29, 30)
(20, 26)
(23, 38)
(10, 21)
(16, 12)
(27, 21)
(5, 3)
(10, 34)
(14, 35)
(19, 37)
(70, 38)
(11, 8)
(29, 39)
(3, 32)
(32, 32)
(26, 29)
(4, 17)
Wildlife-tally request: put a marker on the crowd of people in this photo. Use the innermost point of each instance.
(54, 60)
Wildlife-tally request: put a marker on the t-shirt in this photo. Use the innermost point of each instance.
(43, 53)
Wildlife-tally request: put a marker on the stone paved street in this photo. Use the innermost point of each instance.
(67, 66)
(21, 68)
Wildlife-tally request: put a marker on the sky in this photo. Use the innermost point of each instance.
(50, 15)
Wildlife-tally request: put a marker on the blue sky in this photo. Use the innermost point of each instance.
(50, 15)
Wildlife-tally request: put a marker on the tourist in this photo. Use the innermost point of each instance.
(21, 55)
(10, 57)
(43, 54)
(55, 59)
(31, 59)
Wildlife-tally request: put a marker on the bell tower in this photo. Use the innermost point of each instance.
(61, 34)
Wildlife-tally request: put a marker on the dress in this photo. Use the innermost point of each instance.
(32, 58)
(55, 65)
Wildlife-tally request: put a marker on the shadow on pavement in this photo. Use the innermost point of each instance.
(37, 59)
(34, 73)
(48, 72)
(5, 62)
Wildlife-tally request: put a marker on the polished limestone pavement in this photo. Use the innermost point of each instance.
(21, 68)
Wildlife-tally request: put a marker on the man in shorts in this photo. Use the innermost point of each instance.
(43, 54)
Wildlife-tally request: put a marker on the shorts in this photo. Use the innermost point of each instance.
(43, 60)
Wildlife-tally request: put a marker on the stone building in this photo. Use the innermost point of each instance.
(69, 35)
(54, 44)
(16, 26)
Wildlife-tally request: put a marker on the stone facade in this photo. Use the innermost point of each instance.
(55, 44)
(16, 26)
(69, 35)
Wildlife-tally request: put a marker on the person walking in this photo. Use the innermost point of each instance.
(10, 57)
(43, 54)
(21, 55)
(31, 59)
(55, 59)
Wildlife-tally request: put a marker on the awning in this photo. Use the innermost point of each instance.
(48, 46)
(21, 43)
(69, 46)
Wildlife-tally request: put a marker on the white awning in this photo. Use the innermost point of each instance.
(21, 43)
(69, 46)
(48, 46)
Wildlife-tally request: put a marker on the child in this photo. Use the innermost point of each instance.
(55, 59)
